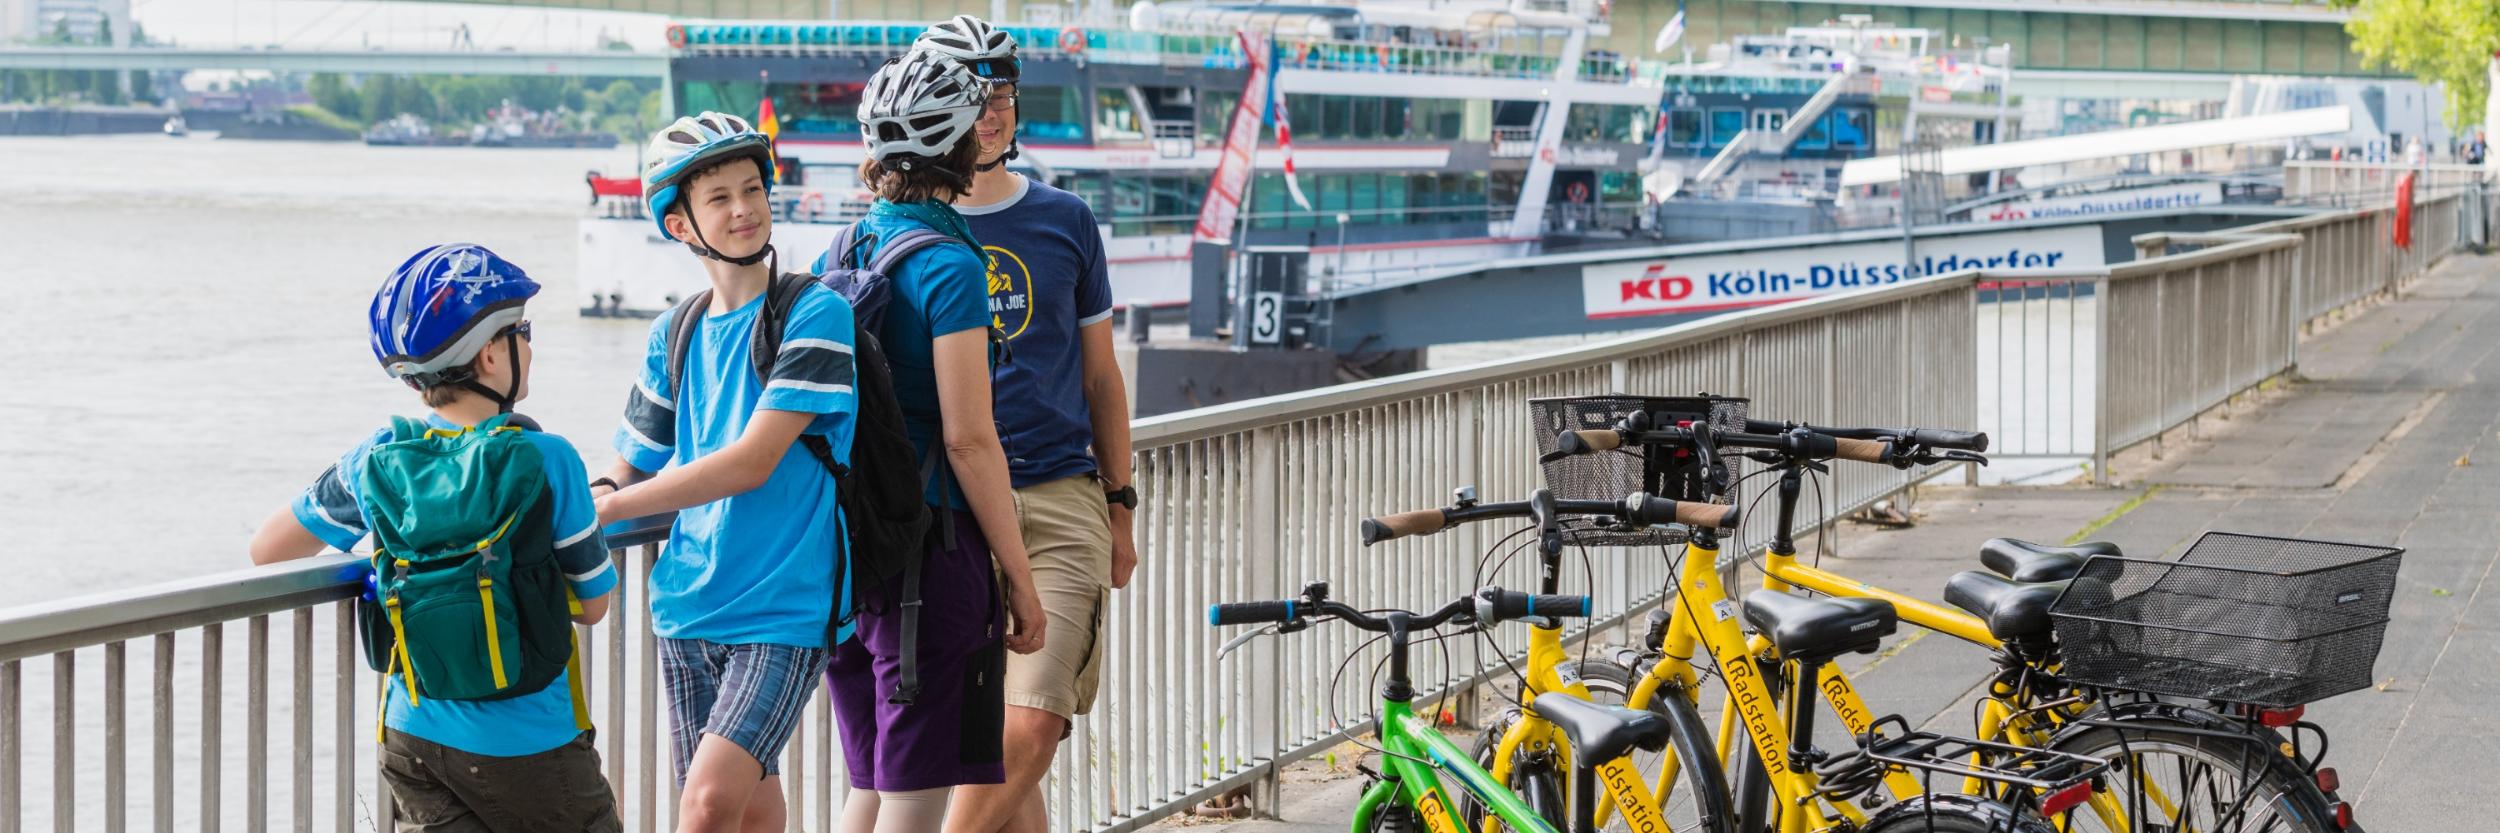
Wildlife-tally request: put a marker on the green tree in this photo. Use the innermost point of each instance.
(2446, 42)
(331, 92)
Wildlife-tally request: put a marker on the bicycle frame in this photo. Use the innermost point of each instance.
(1418, 752)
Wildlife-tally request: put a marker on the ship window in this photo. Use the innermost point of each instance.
(1367, 112)
(1340, 122)
(1115, 117)
(1725, 123)
(1851, 131)
(1363, 200)
(1684, 129)
(1818, 135)
(1767, 120)
(1049, 113)
(1215, 112)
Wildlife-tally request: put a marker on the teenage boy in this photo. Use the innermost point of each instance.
(742, 594)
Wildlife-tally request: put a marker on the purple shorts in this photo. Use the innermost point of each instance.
(950, 735)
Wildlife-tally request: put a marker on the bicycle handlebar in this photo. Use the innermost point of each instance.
(1638, 510)
(1490, 605)
(1929, 437)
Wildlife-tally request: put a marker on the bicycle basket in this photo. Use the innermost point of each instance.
(1612, 475)
(2273, 622)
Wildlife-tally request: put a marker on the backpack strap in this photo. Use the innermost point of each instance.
(907, 688)
(772, 322)
(681, 326)
(891, 255)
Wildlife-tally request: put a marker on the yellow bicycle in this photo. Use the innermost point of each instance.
(2021, 787)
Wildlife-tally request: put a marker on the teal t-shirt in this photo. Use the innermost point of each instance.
(941, 290)
(756, 567)
(524, 725)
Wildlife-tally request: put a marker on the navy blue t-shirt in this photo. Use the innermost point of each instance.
(1047, 280)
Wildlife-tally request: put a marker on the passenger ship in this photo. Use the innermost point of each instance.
(1426, 134)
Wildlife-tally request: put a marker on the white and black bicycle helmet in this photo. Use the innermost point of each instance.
(692, 143)
(990, 52)
(985, 49)
(918, 108)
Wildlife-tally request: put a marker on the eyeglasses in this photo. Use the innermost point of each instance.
(1001, 103)
(522, 329)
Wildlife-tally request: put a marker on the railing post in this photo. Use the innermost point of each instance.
(1262, 549)
(1470, 472)
(12, 749)
(2100, 378)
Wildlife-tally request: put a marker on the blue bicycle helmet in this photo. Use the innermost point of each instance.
(440, 308)
(692, 143)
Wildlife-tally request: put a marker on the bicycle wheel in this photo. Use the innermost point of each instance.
(1945, 813)
(2192, 770)
(1532, 776)
(1698, 798)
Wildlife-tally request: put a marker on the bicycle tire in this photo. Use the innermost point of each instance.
(1953, 813)
(2277, 795)
(1704, 782)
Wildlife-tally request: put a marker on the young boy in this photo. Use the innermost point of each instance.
(449, 324)
(743, 594)
(1063, 413)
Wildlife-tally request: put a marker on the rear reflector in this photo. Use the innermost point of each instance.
(2066, 799)
(2343, 816)
(2328, 781)
(2279, 718)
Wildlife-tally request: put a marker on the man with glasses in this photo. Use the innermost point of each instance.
(1062, 411)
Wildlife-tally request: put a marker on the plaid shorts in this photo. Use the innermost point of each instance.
(749, 695)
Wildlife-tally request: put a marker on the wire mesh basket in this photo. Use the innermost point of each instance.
(2273, 622)
(1614, 474)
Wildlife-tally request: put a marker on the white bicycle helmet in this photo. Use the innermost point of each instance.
(985, 49)
(990, 52)
(692, 143)
(918, 108)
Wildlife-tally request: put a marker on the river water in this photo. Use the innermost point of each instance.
(183, 332)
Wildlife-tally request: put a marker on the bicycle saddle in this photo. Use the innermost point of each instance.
(2014, 611)
(2029, 563)
(1810, 628)
(1601, 733)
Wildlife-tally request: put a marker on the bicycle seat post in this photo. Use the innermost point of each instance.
(1801, 706)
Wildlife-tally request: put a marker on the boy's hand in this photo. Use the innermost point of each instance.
(1024, 609)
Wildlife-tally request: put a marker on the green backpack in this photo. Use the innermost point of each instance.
(469, 603)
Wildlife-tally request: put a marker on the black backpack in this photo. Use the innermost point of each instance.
(882, 492)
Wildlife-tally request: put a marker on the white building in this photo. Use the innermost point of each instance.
(28, 20)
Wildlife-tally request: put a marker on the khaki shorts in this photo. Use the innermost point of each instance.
(1067, 533)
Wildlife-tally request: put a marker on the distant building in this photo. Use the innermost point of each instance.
(31, 20)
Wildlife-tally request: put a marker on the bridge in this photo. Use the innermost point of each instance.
(615, 64)
(2299, 375)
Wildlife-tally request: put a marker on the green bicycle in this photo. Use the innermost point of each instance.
(1406, 795)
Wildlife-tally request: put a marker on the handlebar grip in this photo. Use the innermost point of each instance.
(1589, 441)
(1863, 451)
(1249, 613)
(1938, 438)
(1400, 525)
(1512, 604)
(1653, 511)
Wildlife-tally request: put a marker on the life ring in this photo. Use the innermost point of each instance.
(1577, 192)
(1072, 41)
(676, 36)
(1301, 51)
(813, 205)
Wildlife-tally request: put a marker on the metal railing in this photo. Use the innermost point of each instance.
(1243, 501)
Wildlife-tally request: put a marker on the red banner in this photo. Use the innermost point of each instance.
(1241, 140)
(2404, 211)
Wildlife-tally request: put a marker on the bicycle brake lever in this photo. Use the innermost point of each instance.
(1238, 641)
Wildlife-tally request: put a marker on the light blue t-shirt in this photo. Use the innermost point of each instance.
(938, 291)
(524, 725)
(757, 567)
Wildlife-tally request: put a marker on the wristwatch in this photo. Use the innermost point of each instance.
(1123, 496)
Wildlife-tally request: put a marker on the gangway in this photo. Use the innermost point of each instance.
(2243, 130)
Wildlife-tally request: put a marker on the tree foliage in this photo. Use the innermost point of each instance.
(2447, 42)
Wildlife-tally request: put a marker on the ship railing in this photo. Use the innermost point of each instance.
(250, 706)
(1514, 141)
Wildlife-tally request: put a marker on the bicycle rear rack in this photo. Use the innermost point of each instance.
(2045, 770)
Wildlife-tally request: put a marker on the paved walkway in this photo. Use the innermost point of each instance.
(2390, 433)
